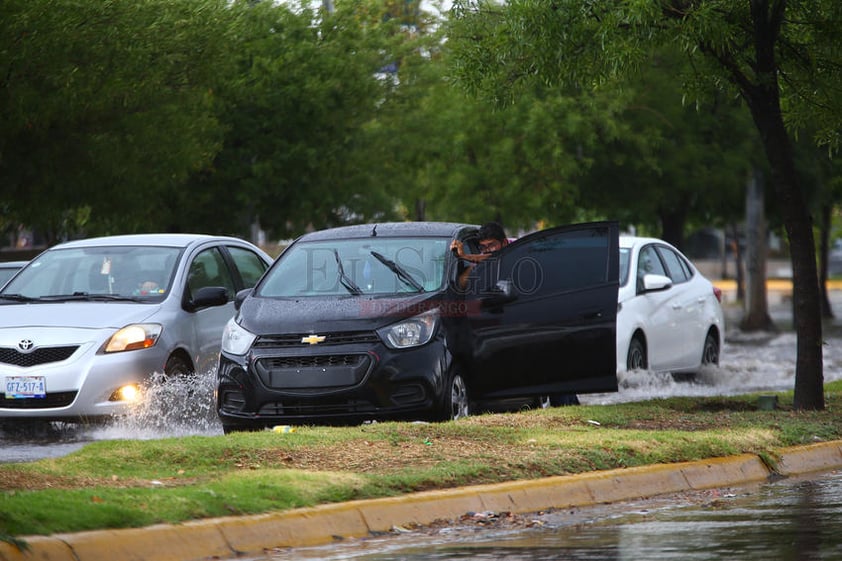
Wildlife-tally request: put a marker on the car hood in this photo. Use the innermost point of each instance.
(267, 316)
(83, 315)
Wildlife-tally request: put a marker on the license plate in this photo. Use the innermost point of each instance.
(25, 387)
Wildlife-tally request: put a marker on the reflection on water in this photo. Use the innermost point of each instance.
(790, 520)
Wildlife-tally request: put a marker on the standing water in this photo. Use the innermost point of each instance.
(789, 520)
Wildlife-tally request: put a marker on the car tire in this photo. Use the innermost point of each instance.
(636, 358)
(177, 367)
(454, 403)
(710, 352)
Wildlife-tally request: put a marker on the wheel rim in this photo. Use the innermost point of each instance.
(636, 359)
(458, 398)
(711, 353)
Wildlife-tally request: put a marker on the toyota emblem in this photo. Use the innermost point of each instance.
(25, 344)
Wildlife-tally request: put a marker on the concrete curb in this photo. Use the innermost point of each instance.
(251, 535)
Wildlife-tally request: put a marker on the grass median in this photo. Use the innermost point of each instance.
(133, 483)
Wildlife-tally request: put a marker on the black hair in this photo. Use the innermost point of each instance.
(492, 231)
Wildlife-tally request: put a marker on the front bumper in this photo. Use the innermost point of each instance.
(342, 384)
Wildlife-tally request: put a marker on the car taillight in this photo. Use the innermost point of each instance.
(718, 293)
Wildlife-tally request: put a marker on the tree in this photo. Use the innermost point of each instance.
(672, 165)
(305, 85)
(105, 107)
(780, 57)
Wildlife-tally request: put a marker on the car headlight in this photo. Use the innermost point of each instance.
(132, 337)
(235, 339)
(411, 332)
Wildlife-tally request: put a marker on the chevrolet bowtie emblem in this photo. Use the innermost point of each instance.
(313, 339)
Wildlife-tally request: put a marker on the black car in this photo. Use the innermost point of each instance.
(370, 322)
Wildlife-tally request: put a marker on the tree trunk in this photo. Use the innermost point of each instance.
(757, 305)
(762, 95)
(824, 253)
(809, 375)
(672, 226)
(738, 265)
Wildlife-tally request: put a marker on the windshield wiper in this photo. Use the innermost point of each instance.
(399, 271)
(349, 285)
(87, 297)
(18, 298)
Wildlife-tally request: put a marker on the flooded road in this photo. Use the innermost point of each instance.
(789, 520)
(750, 362)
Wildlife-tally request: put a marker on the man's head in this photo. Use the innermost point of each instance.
(492, 237)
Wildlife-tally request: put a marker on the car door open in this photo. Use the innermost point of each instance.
(546, 319)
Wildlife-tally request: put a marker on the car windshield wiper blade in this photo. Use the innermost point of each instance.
(399, 271)
(349, 285)
(18, 298)
(87, 297)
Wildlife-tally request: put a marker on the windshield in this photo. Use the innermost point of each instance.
(134, 272)
(357, 266)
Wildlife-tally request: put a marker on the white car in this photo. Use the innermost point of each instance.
(669, 316)
(86, 323)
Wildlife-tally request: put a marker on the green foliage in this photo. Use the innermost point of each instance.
(303, 87)
(106, 105)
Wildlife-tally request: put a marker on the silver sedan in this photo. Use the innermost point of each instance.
(86, 324)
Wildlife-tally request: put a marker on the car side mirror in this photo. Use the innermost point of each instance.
(502, 293)
(654, 283)
(241, 297)
(207, 297)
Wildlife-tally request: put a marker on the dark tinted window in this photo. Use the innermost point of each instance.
(250, 265)
(549, 262)
(209, 269)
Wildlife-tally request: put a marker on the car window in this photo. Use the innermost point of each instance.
(114, 270)
(648, 263)
(208, 269)
(546, 263)
(249, 264)
(357, 266)
(676, 268)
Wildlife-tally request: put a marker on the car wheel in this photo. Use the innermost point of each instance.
(455, 404)
(636, 359)
(177, 367)
(710, 353)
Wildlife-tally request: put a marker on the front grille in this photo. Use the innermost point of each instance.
(347, 338)
(51, 401)
(320, 361)
(297, 373)
(41, 355)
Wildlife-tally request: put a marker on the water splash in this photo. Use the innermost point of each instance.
(180, 406)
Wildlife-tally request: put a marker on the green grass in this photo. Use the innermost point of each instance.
(120, 484)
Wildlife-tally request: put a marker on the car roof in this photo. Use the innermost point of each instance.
(389, 229)
(632, 241)
(172, 240)
(12, 264)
